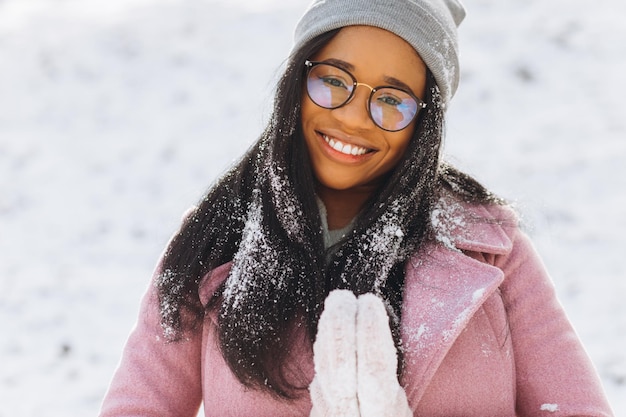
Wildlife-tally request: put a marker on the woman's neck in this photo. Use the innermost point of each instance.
(342, 206)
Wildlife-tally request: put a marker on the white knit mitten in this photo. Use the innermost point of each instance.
(355, 360)
(379, 392)
(334, 387)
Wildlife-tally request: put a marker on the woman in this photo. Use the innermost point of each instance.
(341, 269)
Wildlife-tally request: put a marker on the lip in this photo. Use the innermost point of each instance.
(334, 154)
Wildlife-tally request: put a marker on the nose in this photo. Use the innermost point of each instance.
(355, 113)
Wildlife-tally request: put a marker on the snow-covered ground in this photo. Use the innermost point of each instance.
(115, 115)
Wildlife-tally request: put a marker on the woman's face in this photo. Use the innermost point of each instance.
(374, 57)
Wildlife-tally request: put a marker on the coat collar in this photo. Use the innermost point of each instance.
(473, 227)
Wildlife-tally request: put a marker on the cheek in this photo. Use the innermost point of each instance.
(309, 114)
(399, 145)
(307, 110)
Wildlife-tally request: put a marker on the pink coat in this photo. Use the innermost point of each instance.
(483, 332)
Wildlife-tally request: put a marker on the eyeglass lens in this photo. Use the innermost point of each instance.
(331, 87)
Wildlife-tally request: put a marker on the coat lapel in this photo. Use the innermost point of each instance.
(444, 287)
(209, 284)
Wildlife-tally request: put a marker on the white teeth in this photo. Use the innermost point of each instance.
(345, 148)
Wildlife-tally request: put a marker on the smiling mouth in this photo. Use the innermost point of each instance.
(345, 148)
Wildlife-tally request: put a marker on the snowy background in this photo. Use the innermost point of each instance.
(115, 115)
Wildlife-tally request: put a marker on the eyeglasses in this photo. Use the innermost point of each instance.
(331, 87)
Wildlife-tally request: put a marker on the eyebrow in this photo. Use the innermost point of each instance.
(392, 81)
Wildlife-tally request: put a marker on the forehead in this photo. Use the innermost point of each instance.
(374, 54)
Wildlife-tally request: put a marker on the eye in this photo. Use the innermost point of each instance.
(333, 82)
(389, 100)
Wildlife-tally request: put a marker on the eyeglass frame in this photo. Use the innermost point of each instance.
(311, 64)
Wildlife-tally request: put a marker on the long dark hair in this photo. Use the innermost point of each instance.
(272, 188)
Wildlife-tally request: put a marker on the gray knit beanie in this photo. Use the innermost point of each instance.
(428, 25)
